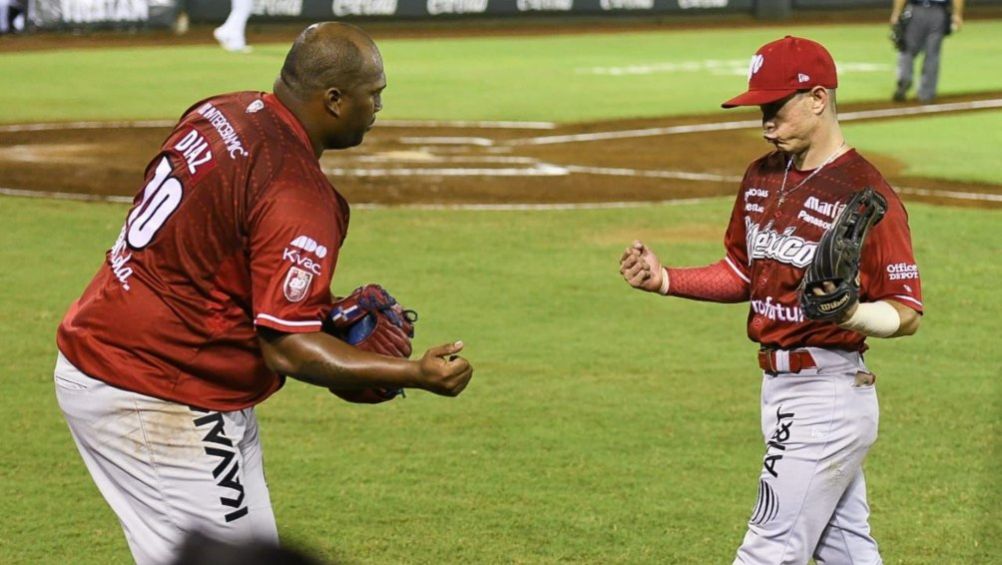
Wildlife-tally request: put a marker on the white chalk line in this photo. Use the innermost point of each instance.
(138, 124)
(978, 196)
(538, 170)
(61, 126)
(65, 195)
(534, 207)
(680, 175)
(447, 140)
(634, 133)
(723, 126)
(735, 67)
(506, 207)
(541, 169)
(919, 110)
(432, 158)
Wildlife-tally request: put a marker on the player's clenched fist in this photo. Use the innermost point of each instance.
(443, 371)
(641, 268)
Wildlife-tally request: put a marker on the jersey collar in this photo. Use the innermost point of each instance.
(286, 116)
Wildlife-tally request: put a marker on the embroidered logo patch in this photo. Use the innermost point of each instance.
(756, 64)
(297, 284)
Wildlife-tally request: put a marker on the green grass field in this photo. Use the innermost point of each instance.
(603, 425)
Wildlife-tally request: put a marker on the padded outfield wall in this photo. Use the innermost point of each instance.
(82, 14)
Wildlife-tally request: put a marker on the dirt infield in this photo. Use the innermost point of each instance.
(468, 163)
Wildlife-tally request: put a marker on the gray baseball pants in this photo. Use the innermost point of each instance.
(924, 33)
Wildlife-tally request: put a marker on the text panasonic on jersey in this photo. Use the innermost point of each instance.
(229, 135)
(784, 247)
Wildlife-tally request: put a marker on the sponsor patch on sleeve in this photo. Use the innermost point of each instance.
(902, 271)
(297, 284)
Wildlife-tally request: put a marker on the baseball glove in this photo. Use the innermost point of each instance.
(836, 259)
(372, 320)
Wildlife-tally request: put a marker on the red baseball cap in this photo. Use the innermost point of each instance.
(784, 67)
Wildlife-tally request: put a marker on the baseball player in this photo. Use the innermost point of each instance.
(819, 405)
(928, 22)
(215, 291)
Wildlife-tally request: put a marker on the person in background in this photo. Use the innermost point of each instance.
(926, 23)
(231, 35)
(11, 16)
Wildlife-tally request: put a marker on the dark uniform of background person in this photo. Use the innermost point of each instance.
(927, 23)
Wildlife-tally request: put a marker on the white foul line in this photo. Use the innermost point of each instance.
(722, 126)
(924, 109)
(465, 124)
(950, 194)
(508, 207)
(538, 170)
(15, 128)
(634, 133)
(65, 195)
(60, 126)
(440, 140)
(530, 207)
(680, 175)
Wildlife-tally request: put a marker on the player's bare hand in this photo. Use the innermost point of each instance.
(641, 268)
(443, 371)
(827, 287)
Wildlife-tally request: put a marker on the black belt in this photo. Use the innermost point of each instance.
(929, 3)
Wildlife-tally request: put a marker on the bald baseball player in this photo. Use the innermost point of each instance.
(819, 402)
(215, 292)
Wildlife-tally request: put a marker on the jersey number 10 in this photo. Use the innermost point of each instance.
(161, 197)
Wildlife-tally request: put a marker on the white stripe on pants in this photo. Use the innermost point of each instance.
(166, 469)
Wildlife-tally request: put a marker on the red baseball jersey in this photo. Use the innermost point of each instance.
(770, 240)
(236, 227)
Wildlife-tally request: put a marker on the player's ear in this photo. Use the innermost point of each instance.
(332, 101)
(820, 99)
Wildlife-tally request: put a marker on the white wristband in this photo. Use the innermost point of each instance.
(664, 282)
(878, 319)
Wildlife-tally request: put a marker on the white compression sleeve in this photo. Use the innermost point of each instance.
(878, 319)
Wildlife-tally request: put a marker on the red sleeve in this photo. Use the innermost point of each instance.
(295, 236)
(714, 283)
(888, 269)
